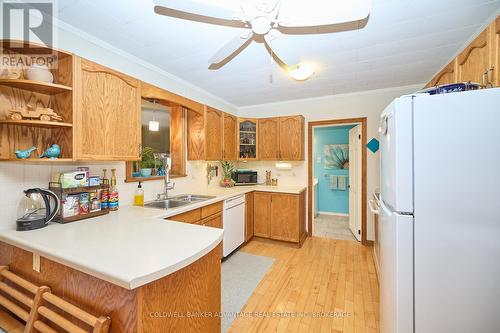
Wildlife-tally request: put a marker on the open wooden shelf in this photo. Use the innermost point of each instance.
(36, 123)
(38, 160)
(36, 86)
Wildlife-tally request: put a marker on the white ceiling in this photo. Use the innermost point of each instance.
(404, 42)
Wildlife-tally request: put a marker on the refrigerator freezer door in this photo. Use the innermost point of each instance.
(396, 144)
(457, 212)
(396, 271)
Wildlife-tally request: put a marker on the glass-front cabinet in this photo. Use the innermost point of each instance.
(247, 139)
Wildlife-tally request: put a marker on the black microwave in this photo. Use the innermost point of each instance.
(245, 177)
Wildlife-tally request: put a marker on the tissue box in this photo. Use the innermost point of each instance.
(73, 179)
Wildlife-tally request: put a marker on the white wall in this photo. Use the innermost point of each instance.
(367, 104)
(84, 45)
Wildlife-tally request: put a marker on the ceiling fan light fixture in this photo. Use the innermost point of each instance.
(301, 72)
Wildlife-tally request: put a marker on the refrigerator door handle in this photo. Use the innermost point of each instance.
(373, 207)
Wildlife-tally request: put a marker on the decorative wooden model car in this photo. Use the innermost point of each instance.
(44, 114)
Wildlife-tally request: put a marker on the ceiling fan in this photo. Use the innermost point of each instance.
(269, 19)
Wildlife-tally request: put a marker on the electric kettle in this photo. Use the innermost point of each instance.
(36, 210)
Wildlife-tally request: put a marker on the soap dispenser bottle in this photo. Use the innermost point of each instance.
(139, 196)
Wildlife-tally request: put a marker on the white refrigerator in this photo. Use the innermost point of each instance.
(440, 213)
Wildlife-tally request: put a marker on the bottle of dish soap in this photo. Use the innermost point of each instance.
(139, 196)
(113, 192)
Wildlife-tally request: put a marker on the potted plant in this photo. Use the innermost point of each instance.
(227, 170)
(147, 161)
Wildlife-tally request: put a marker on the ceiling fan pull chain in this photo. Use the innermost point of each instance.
(271, 66)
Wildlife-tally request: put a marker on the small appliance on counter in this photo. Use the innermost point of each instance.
(37, 210)
(244, 177)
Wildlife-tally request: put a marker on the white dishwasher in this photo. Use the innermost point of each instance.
(233, 223)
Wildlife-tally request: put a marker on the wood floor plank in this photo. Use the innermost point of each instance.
(327, 286)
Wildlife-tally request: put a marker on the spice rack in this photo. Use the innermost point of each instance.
(57, 188)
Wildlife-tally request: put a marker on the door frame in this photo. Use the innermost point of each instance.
(310, 125)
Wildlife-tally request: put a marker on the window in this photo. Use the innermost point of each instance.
(162, 128)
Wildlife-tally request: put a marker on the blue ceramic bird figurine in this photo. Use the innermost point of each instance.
(52, 152)
(24, 154)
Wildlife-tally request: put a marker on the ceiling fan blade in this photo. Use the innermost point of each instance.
(283, 50)
(231, 47)
(298, 13)
(199, 11)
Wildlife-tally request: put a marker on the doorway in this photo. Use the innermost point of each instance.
(337, 179)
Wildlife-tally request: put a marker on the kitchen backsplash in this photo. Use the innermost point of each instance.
(16, 177)
(297, 175)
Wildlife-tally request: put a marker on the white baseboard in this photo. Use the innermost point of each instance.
(334, 214)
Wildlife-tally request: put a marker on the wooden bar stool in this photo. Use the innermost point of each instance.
(35, 324)
(19, 297)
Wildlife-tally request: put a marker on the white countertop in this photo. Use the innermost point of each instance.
(132, 246)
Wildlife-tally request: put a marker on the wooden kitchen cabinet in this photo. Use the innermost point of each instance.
(213, 134)
(205, 134)
(210, 215)
(230, 137)
(249, 226)
(479, 62)
(284, 225)
(261, 214)
(280, 216)
(291, 143)
(247, 139)
(108, 113)
(496, 51)
(214, 221)
(474, 61)
(269, 138)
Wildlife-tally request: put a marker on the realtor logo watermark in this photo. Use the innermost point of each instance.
(28, 33)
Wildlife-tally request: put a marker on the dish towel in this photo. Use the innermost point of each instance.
(342, 183)
(334, 182)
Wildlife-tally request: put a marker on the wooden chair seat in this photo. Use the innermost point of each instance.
(10, 324)
(40, 310)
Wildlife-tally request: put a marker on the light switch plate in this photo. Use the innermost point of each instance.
(36, 262)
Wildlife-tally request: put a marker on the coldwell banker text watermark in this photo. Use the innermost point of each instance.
(28, 36)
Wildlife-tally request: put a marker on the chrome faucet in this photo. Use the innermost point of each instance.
(167, 184)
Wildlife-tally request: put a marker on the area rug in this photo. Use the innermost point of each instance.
(241, 274)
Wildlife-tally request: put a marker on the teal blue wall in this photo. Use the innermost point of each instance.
(333, 201)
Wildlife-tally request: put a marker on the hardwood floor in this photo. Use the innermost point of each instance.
(335, 278)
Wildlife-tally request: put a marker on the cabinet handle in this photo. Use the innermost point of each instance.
(489, 79)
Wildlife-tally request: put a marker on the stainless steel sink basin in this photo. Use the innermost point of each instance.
(166, 204)
(192, 197)
(178, 201)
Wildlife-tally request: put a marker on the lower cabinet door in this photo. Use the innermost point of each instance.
(214, 221)
(249, 216)
(262, 214)
(285, 217)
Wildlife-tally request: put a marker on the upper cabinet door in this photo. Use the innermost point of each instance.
(291, 144)
(268, 138)
(230, 149)
(108, 114)
(474, 61)
(213, 134)
(496, 52)
(247, 139)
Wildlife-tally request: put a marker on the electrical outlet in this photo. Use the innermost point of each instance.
(36, 262)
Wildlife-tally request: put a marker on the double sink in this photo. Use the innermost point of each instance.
(178, 201)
